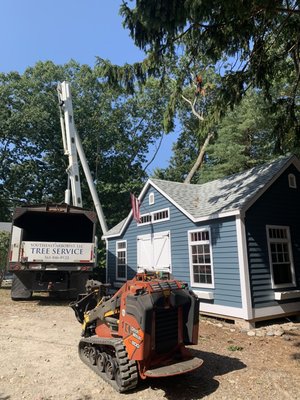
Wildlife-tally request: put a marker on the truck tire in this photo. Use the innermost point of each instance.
(19, 291)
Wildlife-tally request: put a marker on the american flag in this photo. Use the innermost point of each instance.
(135, 205)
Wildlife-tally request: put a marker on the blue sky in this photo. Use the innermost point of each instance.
(60, 30)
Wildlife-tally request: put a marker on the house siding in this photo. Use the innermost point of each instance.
(227, 291)
(279, 205)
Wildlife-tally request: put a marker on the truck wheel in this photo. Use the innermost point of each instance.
(19, 291)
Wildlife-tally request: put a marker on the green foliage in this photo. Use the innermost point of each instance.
(235, 348)
(29, 135)
(115, 127)
(242, 35)
(248, 44)
(245, 137)
(4, 244)
(184, 153)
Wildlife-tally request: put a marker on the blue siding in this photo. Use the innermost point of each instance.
(111, 260)
(278, 206)
(224, 248)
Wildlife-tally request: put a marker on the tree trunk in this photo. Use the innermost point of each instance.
(199, 160)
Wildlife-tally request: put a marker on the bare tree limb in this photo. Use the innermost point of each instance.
(199, 160)
(192, 104)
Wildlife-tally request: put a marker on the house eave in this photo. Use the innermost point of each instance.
(217, 216)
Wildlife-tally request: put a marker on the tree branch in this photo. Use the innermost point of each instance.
(137, 127)
(156, 151)
(192, 104)
(199, 160)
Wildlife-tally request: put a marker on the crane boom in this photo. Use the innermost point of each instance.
(73, 146)
(69, 143)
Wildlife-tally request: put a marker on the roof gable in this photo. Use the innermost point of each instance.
(227, 195)
(219, 198)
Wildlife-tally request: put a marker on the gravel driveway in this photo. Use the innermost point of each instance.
(39, 361)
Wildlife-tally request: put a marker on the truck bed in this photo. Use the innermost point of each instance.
(55, 223)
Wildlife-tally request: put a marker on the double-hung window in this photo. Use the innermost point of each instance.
(280, 256)
(121, 260)
(201, 267)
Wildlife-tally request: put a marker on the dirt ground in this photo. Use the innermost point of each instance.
(39, 360)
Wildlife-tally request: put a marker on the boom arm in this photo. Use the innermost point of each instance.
(72, 146)
(69, 142)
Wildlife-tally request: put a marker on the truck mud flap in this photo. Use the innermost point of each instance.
(19, 291)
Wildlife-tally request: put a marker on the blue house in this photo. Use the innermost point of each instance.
(235, 241)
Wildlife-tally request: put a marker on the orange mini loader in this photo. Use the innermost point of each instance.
(141, 331)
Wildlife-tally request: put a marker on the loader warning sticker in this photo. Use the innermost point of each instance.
(135, 344)
(134, 333)
(57, 252)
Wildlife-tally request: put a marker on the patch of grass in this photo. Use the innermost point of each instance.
(234, 348)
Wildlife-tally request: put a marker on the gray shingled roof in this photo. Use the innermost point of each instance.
(220, 196)
(117, 228)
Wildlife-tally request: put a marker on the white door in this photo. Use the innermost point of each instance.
(154, 252)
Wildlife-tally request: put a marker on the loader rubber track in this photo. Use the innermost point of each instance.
(109, 359)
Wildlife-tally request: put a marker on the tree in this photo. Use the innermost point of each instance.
(243, 138)
(29, 132)
(251, 43)
(200, 92)
(250, 38)
(116, 130)
(4, 243)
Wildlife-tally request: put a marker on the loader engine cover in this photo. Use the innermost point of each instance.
(156, 317)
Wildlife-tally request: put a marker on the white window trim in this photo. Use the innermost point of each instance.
(206, 295)
(282, 285)
(117, 277)
(144, 223)
(151, 198)
(152, 218)
(292, 181)
(201, 285)
(286, 295)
